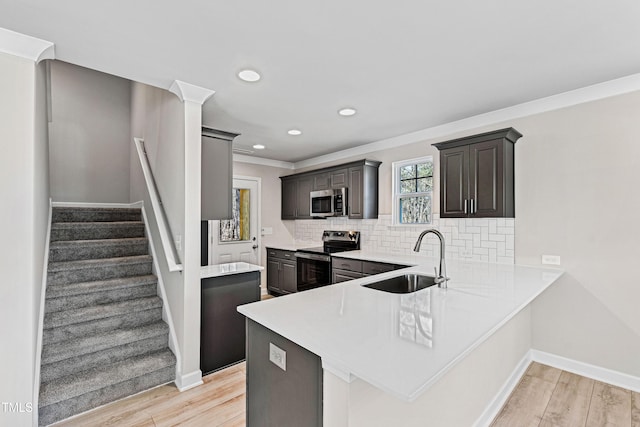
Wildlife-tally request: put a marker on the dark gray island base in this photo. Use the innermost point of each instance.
(222, 333)
(277, 397)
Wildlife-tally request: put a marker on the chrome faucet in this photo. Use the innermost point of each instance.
(441, 278)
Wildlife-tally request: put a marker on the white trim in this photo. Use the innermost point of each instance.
(94, 205)
(166, 310)
(578, 96)
(241, 158)
(189, 381)
(494, 407)
(597, 373)
(38, 358)
(156, 206)
(395, 190)
(25, 46)
(190, 93)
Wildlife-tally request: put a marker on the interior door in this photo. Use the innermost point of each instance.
(238, 239)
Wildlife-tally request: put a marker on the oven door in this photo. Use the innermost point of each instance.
(314, 270)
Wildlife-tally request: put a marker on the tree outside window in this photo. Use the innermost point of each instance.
(412, 190)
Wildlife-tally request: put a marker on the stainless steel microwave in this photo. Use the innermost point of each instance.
(326, 203)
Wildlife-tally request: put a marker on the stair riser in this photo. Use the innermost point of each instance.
(107, 324)
(61, 410)
(80, 252)
(98, 273)
(53, 305)
(84, 215)
(106, 231)
(51, 371)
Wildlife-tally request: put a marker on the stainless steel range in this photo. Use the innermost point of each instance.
(314, 264)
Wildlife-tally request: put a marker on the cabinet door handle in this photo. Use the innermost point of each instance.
(473, 206)
(465, 206)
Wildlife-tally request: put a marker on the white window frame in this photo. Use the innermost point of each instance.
(395, 190)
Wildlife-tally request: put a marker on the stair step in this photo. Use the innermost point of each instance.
(115, 354)
(66, 396)
(129, 308)
(73, 250)
(139, 317)
(101, 269)
(101, 297)
(68, 214)
(81, 288)
(96, 230)
(62, 350)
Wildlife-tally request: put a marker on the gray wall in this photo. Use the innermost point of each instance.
(89, 135)
(157, 116)
(24, 187)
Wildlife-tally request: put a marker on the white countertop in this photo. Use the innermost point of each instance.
(217, 270)
(402, 344)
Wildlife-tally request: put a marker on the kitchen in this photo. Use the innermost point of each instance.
(573, 167)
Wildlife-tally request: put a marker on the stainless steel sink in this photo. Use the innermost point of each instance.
(404, 284)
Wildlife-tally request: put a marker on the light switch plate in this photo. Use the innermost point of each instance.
(267, 231)
(278, 356)
(551, 259)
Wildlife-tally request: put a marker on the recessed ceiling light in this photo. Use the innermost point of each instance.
(259, 147)
(249, 75)
(347, 111)
(294, 132)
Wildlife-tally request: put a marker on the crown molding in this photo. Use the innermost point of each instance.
(555, 102)
(24, 46)
(189, 92)
(241, 158)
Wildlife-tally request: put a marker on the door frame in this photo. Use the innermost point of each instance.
(258, 180)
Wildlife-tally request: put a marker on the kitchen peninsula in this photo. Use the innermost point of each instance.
(436, 356)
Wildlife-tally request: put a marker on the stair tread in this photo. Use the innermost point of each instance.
(56, 352)
(89, 313)
(71, 386)
(81, 288)
(92, 224)
(97, 242)
(100, 262)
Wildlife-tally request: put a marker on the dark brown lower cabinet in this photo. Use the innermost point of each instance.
(277, 397)
(281, 271)
(343, 269)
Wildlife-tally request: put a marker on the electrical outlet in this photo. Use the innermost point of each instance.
(178, 241)
(466, 253)
(278, 356)
(551, 259)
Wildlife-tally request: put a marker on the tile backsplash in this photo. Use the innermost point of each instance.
(476, 239)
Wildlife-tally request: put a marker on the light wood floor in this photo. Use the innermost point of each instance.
(545, 397)
(219, 402)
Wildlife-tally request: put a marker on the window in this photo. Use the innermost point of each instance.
(412, 191)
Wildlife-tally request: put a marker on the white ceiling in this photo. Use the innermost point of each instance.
(405, 66)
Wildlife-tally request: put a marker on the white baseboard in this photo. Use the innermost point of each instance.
(95, 205)
(507, 388)
(597, 373)
(190, 380)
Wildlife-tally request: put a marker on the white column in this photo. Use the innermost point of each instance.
(193, 97)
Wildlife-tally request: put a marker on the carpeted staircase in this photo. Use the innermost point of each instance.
(104, 337)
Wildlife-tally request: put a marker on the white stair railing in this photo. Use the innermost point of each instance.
(158, 211)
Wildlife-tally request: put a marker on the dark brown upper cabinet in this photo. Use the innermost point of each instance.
(217, 173)
(359, 178)
(476, 175)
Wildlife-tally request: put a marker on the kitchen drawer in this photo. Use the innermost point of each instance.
(371, 267)
(346, 264)
(338, 276)
(280, 253)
